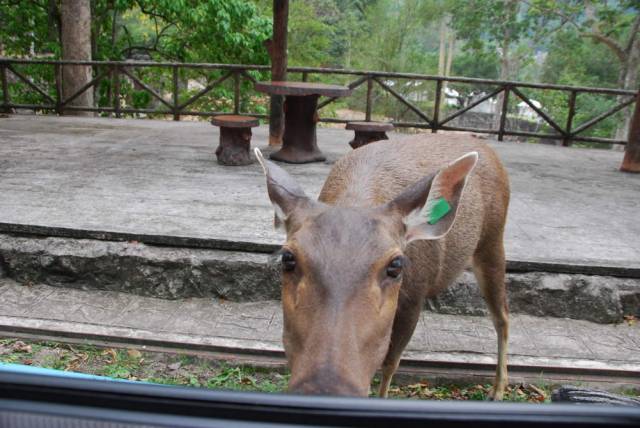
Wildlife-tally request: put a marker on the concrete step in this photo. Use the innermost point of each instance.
(178, 273)
(443, 346)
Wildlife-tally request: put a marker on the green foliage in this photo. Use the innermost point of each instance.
(121, 365)
(218, 31)
(310, 32)
(397, 36)
(578, 61)
(224, 31)
(484, 24)
(482, 64)
(27, 27)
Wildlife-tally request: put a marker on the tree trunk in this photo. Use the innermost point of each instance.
(504, 75)
(277, 48)
(628, 79)
(631, 161)
(452, 45)
(447, 44)
(76, 45)
(443, 47)
(511, 14)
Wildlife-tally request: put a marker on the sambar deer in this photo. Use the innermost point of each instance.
(396, 222)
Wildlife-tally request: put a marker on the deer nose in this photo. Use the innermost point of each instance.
(326, 383)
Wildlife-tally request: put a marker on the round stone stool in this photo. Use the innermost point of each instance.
(235, 138)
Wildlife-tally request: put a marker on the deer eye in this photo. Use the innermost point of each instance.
(394, 268)
(288, 261)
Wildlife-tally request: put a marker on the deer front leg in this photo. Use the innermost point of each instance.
(489, 269)
(406, 319)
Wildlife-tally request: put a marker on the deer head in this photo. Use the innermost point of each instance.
(342, 270)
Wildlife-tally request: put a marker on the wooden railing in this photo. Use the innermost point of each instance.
(52, 98)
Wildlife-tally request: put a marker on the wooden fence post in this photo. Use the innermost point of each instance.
(116, 91)
(176, 84)
(572, 111)
(436, 107)
(236, 92)
(369, 99)
(503, 113)
(5, 89)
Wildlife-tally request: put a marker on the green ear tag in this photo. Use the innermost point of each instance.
(439, 210)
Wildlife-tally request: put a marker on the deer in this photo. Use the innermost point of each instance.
(395, 223)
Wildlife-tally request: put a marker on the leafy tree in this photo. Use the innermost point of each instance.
(225, 31)
(396, 36)
(483, 64)
(613, 24)
(493, 26)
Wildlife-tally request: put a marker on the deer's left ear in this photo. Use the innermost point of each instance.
(430, 206)
(285, 193)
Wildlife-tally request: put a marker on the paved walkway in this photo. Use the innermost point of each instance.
(539, 346)
(160, 178)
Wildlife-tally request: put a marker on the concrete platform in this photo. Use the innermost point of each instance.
(158, 180)
(443, 346)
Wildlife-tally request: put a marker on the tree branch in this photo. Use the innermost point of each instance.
(595, 32)
(161, 33)
(610, 43)
(633, 34)
(534, 41)
(564, 17)
(151, 13)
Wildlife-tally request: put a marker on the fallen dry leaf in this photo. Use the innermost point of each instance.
(134, 353)
(535, 389)
(20, 346)
(112, 354)
(419, 385)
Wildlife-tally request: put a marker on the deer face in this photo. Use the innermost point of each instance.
(342, 270)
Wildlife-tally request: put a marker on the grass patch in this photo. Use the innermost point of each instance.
(205, 372)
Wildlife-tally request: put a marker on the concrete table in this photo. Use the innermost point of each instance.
(300, 117)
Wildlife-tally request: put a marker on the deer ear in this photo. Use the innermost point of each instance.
(430, 206)
(285, 193)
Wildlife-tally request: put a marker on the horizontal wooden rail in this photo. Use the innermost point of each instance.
(116, 70)
(317, 70)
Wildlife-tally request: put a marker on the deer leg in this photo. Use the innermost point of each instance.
(489, 269)
(406, 319)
